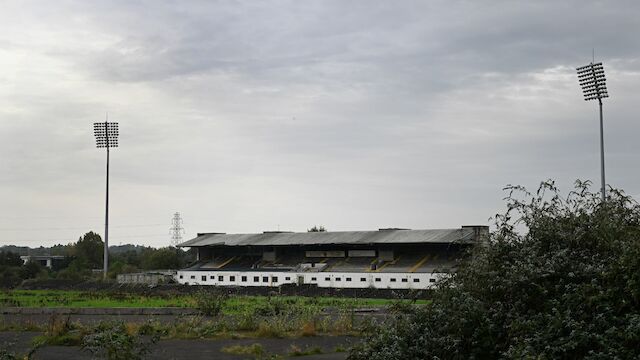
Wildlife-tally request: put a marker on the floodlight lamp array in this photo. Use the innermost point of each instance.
(592, 81)
(106, 134)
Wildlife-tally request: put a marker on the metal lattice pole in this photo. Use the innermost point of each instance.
(594, 86)
(176, 229)
(106, 134)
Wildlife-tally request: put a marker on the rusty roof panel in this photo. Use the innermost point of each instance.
(391, 236)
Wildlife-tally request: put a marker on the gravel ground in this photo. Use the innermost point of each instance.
(16, 341)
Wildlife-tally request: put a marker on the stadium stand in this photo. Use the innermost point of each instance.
(387, 258)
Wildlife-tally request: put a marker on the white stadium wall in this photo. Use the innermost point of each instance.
(321, 279)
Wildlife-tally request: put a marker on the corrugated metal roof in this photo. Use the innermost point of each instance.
(465, 235)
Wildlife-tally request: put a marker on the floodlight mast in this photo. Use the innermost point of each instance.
(106, 134)
(594, 86)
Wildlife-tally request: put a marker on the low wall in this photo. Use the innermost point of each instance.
(170, 289)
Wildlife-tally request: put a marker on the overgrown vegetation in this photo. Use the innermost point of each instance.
(83, 299)
(260, 305)
(559, 279)
(135, 340)
(208, 303)
(60, 331)
(115, 341)
(291, 320)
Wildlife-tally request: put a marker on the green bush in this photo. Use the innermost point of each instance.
(8, 258)
(153, 328)
(559, 279)
(112, 341)
(9, 277)
(210, 303)
(276, 306)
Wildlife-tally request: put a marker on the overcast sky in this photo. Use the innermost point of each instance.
(248, 116)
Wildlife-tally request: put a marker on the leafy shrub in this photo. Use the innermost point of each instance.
(210, 303)
(9, 277)
(152, 328)
(112, 341)
(401, 307)
(9, 258)
(559, 279)
(276, 306)
(247, 320)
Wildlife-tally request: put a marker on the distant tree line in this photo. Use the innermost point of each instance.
(83, 257)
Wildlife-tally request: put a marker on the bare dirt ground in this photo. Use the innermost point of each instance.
(191, 349)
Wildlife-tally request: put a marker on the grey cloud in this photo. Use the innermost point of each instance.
(357, 114)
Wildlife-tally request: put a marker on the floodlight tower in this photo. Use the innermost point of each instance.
(594, 86)
(106, 134)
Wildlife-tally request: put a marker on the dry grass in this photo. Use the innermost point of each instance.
(308, 329)
(253, 349)
(295, 350)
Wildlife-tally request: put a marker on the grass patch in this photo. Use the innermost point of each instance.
(341, 349)
(308, 329)
(297, 351)
(233, 305)
(81, 299)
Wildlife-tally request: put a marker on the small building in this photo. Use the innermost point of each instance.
(44, 260)
(384, 259)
